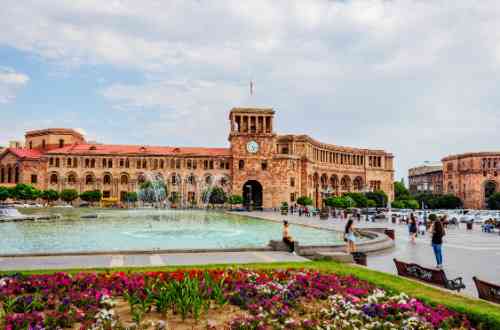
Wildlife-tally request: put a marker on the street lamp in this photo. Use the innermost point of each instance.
(366, 189)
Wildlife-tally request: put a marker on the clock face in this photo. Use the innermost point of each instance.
(252, 147)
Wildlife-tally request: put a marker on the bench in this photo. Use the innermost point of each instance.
(487, 291)
(429, 275)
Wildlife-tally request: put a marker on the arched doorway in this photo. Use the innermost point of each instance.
(490, 188)
(252, 195)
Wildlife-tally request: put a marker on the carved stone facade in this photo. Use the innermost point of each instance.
(426, 179)
(262, 166)
(472, 177)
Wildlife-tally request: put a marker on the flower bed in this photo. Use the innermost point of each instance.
(216, 299)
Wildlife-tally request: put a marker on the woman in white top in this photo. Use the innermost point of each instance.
(349, 236)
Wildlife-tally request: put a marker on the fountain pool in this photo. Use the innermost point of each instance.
(147, 229)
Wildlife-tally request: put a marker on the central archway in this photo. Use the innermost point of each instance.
(252, 195)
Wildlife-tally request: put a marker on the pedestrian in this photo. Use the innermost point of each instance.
(349, 236)
(287, 239)
(438, 232)
(421, 228)
(412, 228)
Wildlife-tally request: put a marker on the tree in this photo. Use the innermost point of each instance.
(24, 192)
(69, 195)
(49, 195)
(379, 197)
(400, 191)
(410, 204)
(131, 197)
(359, 198)
(91, 196)
(449, 201)
(304, 201)
(493, 202)
(4, 193)
(235, 199)
(214, 195)
(398, 204)
(340, 202)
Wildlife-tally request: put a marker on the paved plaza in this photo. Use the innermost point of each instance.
(466, 253)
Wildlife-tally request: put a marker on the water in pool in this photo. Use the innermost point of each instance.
(147, 230)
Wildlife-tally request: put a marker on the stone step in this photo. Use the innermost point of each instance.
(334, 256)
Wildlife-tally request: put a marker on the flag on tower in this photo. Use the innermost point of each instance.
(251, 87)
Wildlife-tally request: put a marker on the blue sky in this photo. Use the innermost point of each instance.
(416, 78)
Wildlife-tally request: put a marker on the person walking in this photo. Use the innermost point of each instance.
(438, 233)
(412, 228)
(349, 236)
(287, 239)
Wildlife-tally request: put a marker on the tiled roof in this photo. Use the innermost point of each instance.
(116, 149)
(24, 153)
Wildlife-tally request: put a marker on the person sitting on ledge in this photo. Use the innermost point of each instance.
(287, 239)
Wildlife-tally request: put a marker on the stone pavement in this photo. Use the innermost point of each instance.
(466, 253)
(147, 260)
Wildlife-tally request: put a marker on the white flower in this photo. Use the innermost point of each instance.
(3, 282)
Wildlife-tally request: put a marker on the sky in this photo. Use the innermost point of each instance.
(419, 78)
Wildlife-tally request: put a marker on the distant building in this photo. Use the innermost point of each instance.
(426, 179)
(265, 168)
(15, 144)
(473, 177)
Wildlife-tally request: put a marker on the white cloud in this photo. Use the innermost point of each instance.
(418, 78)
(10, 82)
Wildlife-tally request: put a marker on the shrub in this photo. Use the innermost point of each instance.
(398, 204)
(215, 195)
(91, 196)
(304, 201)
(4, 193)
(49, 195)
(493, 201)
(235, 199)
(69, 195)
(379, 197)
(411, 204)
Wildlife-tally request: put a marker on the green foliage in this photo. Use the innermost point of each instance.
(91, 196)
(359, 199)
(371, 203)
(69, 195)
(432, 217)
(411, 204)
(340, 202)
(432, 201)
(4, 193)
(24, 192)
(235, 199)
(284, 206)
(379, 197)
(131, 197)
(398, 204)
(400, 191)
(493, 201)
(304, 201)
(214, 195)
(49, 195)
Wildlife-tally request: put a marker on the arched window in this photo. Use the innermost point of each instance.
(71, 178)
(208, 179)
(110, 163)
(358, 184)
(53, 178)
(107, 179)
(89, 179)
(124, 179)
(75, 162)
(345, 183)
(57, 162)
(173, 179)
(16, 175)
(2, 174)
(241, 164)
(104, 162)
(92, 163)
(191, 179)
(68, 162)
(223, 181)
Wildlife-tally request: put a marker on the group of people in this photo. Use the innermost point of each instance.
(349, 237)
(490, 225)
(437, 230)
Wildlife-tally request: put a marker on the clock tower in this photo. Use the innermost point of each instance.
(253, 144)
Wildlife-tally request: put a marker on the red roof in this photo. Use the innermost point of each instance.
(116, 149)
(24, 153)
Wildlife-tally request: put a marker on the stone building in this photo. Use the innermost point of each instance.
(264, 167)
(426, 179)
(472, 177)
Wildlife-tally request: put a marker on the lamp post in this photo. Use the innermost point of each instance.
(366, 189)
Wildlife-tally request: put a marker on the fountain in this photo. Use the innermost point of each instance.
(153, 190)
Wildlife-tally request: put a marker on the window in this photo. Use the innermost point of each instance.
(107, 179)
(127, 163)
(104, 163)
(195, 162)
(162, 163)
(87, 163)
(106, 194)
(211, 164)
(138, 164)
(61, 143)
(205, 164)
(174, 179)
(31, 145)
(189, 164)
(178, 163)
(34, 178)
(264, 165)
(43, 144)
(72, 178)
(191, 179)
(121, 163)
(144, 164)
(51, 161)
(53, 179)
(92, 163)
(68, 162)
(57, 162)
(241, 164)
(110, 163)
(124, 179)
(292, 197)
(223, 181)
(208, 180)
(89, 179)
(292, 182)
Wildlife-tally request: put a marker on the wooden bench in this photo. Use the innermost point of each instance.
(487, 291)
(429, 275)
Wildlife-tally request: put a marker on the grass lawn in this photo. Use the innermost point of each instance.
(478, 311)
